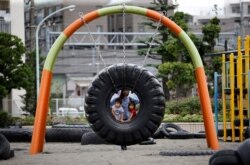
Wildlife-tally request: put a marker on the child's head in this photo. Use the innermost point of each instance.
(131, 105)
(118, 102)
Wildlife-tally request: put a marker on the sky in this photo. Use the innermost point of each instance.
(193, 7)
(199, 7)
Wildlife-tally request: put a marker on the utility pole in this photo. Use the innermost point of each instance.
(32, 25)
(242, 30)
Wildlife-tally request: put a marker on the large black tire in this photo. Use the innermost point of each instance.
(186, 153)
(180, 135)
(65, 134)
(167, 128)
(243, 152)
(92, 138)
(199, 135)
(149, 141)
(225, 157)
(158, 134)
(144, 85)
(17, 135)
(4, 148)
(71, 126)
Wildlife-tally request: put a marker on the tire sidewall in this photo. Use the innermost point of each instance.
(107, 83)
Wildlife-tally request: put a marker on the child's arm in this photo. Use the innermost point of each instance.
(135, 100)
(130, 116)
(113, 112)
(121, 119)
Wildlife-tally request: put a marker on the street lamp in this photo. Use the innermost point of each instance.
(70, 8)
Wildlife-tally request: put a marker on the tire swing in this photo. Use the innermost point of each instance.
(144, 85)
(112, 79)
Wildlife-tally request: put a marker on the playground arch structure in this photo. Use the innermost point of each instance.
(39, 129)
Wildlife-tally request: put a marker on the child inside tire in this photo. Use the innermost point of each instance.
(117, 110)
(132, 110)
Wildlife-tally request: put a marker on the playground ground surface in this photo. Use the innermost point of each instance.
(76, 154)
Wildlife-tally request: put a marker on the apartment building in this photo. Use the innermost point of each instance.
(79, 61)
(234, 22)
(12, 21)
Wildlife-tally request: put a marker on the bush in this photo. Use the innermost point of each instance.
(185, 118)
(187, 106)
(187, 110)
(184, 106)
(5, 119)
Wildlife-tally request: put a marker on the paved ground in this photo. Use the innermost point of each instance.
(75, 154)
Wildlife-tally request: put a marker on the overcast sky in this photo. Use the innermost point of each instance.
(194, 7)
(197, 7)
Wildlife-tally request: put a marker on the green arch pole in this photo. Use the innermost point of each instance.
(37, 142)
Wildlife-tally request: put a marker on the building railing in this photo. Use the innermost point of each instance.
(73, 107)
(5, 26)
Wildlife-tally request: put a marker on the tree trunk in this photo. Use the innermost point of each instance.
(1, 104)
(164, 82)
(165, 88)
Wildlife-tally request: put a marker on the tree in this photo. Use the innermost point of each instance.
(29, 99)
(172, 52)
(14, 73)
(178, 73)
(160, 5)
(210, 32)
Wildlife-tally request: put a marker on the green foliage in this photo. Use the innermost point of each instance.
(187, 110)
(28, 120)
(68, 120)
(179, 118)
(180, 75)
(210, 33)
(5, 119)
(214, 66)
(14, 73)
(29, 99)
(187, 106)
(171, 50)
(184, 106)
(159, 52)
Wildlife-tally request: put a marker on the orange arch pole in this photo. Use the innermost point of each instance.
(43, 100)
(41, 114)
(206, 108)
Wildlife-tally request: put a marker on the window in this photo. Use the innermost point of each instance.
(99, 28)
(57, 27)
(235, 9)
(129, 29)
(50, 10)
(141, 28)
(27, 16)
(27, 35)
(248, 9)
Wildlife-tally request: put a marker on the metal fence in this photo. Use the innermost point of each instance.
(73, 107)
(4, 26)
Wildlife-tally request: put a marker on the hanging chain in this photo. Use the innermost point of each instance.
(81, 14)
(153, 38)
(124, 31)
(150, 46)
(123, 42)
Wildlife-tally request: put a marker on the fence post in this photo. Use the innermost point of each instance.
(216, 100)
(57, 110)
